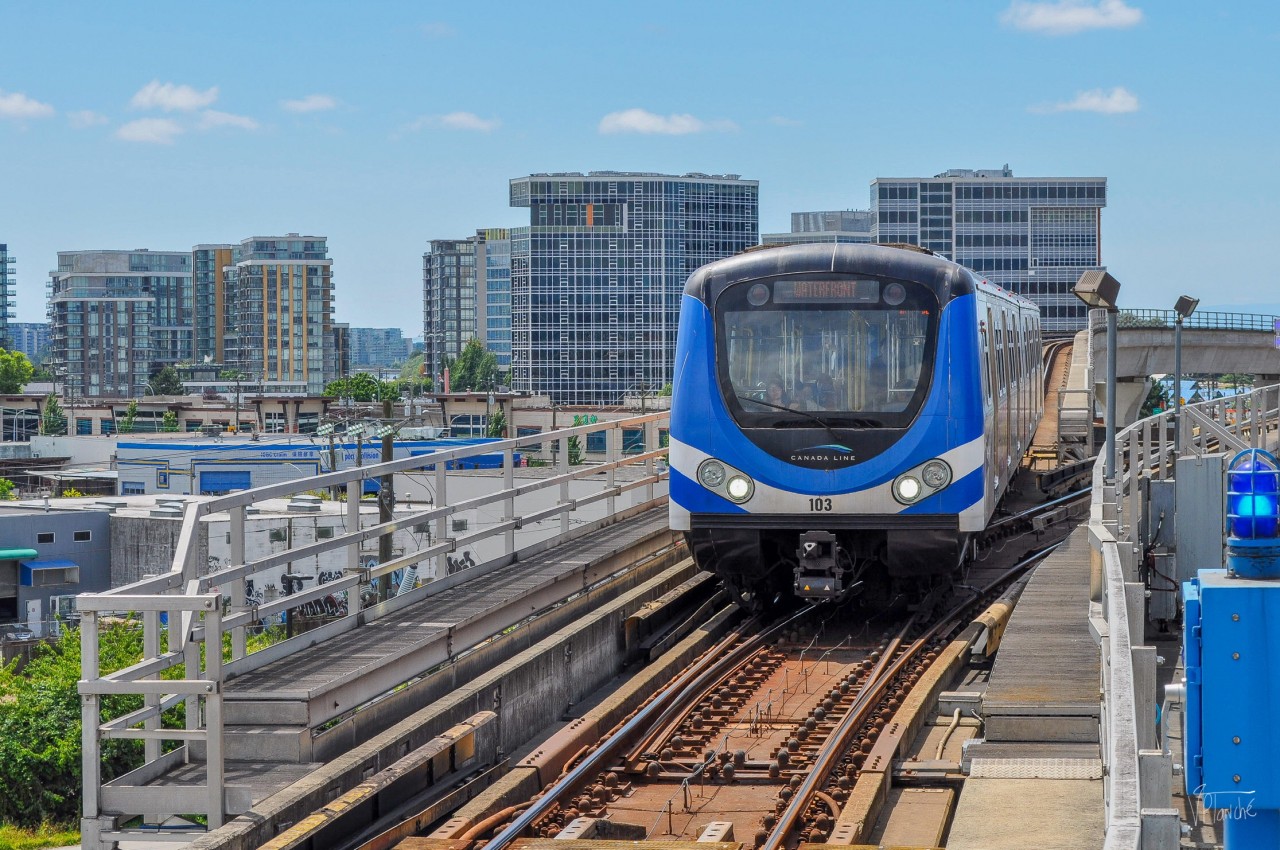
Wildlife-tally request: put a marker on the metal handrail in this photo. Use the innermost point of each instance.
(1145, 450)
(1199, 320)
(186, 589)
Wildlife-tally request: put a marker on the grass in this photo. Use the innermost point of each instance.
(16, 838)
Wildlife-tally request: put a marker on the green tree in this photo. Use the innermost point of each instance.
(665, 391)
(414, 380)
(15, 371)
(125, 425)
(1157, 399)
(497, 424)
(363, 386)
(475, 369)
(169, 422)
(167, 382)
(6, 490)
(54, 420)
(413, 367)
(40, 774)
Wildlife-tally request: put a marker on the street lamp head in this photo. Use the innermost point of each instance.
(1185, 306)
(1098, 289)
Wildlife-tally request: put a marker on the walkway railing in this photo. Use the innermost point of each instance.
(1197, 320)
(201, 606)
(1139, 770)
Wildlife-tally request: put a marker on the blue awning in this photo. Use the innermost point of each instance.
(51, 564)
(68, 572)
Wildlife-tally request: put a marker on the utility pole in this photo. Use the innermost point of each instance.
(386, 498)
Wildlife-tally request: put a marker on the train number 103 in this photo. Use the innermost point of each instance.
(820, 505)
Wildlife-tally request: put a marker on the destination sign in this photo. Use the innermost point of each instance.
(841, 291)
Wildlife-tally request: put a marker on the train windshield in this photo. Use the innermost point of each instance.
(802, 352)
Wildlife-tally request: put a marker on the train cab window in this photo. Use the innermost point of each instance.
(858, 352)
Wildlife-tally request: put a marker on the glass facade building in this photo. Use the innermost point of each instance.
(1031, 235)
(466, 293)
(835, 226)
(31, 338)
(378, 348)
(210, 268)
(597, 275)
(115, 317)
(448, 301)
(493, 288)
(8, 294)
(279, 300)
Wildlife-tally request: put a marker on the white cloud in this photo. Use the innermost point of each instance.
(310, 103)
(211, 118)
(18, 105)
(156, 131)
(85, 118)
(172, 98)
(469, 121)
(1067, 17)
(1115, 102)
(438, 29)
(643, 121)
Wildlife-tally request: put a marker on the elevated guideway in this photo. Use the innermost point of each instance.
(261, 720)
(1212, 344)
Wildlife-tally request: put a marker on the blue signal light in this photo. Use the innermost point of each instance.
(1253, 495)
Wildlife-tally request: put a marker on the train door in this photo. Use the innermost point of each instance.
(1011, 395)
(991, 356)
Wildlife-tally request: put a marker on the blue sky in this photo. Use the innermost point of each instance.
(385, 125)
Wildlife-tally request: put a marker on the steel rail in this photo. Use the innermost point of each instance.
(1030, 513)
(713, 666)
(882, 675)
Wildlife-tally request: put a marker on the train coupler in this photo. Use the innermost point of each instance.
(818, 573)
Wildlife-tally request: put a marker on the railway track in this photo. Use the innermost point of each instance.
(763, 742)
(778, 734)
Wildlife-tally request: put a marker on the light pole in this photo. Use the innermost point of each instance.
(1185, 306)
(1098, 289)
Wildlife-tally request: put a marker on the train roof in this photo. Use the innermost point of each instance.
(947, 279)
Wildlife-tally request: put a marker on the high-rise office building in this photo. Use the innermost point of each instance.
(31, 338)
(448, 300)
(466, 293)
(7, 294)
(280, 303)
(1032, 235)
(378, 348)
(117, 316)
(342, 341)
(835, 226)
(210, 267)
(597, 275)
(493, 293)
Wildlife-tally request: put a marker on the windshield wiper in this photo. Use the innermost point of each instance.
(806, 414)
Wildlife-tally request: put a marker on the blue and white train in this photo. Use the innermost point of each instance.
(845, 417)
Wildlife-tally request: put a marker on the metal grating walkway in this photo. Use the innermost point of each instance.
(311, 673)
(1044, 685)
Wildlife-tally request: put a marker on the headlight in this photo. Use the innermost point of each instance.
(936, 474)
(740, 488)
(907, 489)
(711, 473)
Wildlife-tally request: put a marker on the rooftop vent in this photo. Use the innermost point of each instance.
(304, 504)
